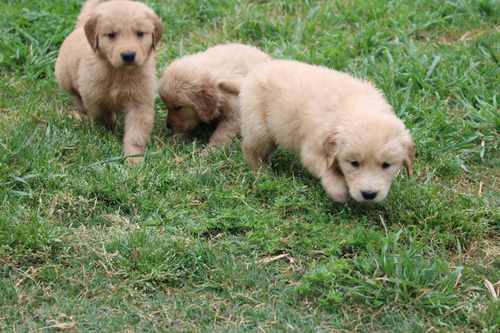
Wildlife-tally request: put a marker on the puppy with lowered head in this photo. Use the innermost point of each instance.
(342, 128)
(107, 65)
(189, 89)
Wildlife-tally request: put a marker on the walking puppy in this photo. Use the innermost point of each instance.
(189, 90)
(107, 65)
(342, 128)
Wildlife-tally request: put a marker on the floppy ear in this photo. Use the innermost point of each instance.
(231, 87)
(90, 29)
(158, 32)
(206, 102)
(410, 155)
(330, 148)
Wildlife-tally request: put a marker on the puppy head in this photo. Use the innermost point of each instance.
(369, 151)
(190, 99)
(123, 32)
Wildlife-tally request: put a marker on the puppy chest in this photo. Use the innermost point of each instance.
(125, 92)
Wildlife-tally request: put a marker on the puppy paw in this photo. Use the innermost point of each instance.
(134, 153)
(133, 161)
(181, 136)
(338, 196)
(335, 186)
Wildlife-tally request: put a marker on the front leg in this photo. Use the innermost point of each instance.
(225, 131)
(334, 183)
(139, 123)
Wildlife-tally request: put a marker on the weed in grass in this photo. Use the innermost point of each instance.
(146, 258)
(388, 275)
(8, 294)
(27, 233)
(34, 34)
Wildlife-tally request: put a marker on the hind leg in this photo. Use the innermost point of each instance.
(256, 151)
(98, 112)
(77, 99)
(257, 148)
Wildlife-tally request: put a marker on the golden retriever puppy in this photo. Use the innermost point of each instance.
(189, 89)
(342, 128)
(107, 65)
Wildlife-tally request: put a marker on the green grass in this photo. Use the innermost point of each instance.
(187, 242)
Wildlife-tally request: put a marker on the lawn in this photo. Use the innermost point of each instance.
(187, 242)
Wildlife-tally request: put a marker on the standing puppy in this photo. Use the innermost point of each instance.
(342, 128)
(107, 65)
(189, 88)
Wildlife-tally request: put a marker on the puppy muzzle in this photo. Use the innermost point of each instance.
(128, 58)
(369, 195)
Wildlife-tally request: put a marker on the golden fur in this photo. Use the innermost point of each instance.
(342, 128)
(189, 90)
(107, 65)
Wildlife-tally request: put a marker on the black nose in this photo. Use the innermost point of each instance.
(169, 126)
(369, 195)
(128, 57)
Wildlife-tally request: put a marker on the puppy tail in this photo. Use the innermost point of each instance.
(231, 86)
(86, 11)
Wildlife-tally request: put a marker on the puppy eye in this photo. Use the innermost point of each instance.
(385, 165)
(140, 33)
(112, 35)
(177, 108)
(355, 164)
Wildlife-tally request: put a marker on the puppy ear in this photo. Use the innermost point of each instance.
(231, 87)
(206, 102)
(330, 149)
(90, 29)
(158, 32)
(410, 155)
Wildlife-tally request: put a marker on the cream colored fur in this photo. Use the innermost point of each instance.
(342, 128)
(189, 89)
(107, 65)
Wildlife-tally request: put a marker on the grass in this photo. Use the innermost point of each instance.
(187, 242)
